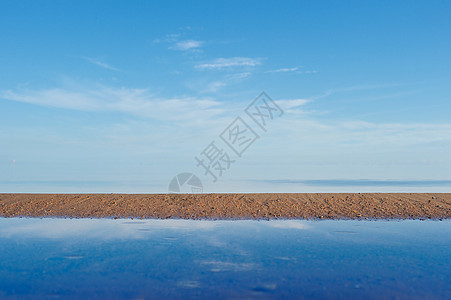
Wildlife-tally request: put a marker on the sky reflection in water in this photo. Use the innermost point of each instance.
(78, 258)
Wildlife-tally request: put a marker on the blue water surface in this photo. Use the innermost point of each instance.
(180, 259)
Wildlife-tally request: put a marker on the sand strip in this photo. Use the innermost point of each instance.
(230, 206)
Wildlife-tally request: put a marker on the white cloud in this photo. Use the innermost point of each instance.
(187, 45)
(308, 72)
(172, 37)
(139, 102)
(330, 92)
(101, 64)
(328, 148)
(358, 135)
(289, 224)
(220, 266)
(213, 87)
(207, 86)
(283, 70)
(221, 63)
(291, 103)
(294, 69)
(95, 228)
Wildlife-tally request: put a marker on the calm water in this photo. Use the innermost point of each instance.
(80, 258)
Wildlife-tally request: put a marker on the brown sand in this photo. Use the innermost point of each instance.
(230, 206)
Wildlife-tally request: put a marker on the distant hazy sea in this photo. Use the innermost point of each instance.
(235, 186)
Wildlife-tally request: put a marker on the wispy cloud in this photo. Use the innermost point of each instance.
(292, 70)
(172, 37)
(307, 72)
(229, 266)
(138, 102)
(292, 105)
(187, 45)
(180, 42)
(290, 224)
(106, 229)
(221, 63)
(330, 92)
(362, 136)
(101, 64)
(283, 70)
(209, 86)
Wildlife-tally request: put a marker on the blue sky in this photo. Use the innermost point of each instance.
(128, 93)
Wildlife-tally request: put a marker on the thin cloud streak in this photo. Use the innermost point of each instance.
(187, 45)
(222, 63)
(213, 86)
(138, 102)
(283, 70)
(292, 105)
(292, 70)
(100, 64)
